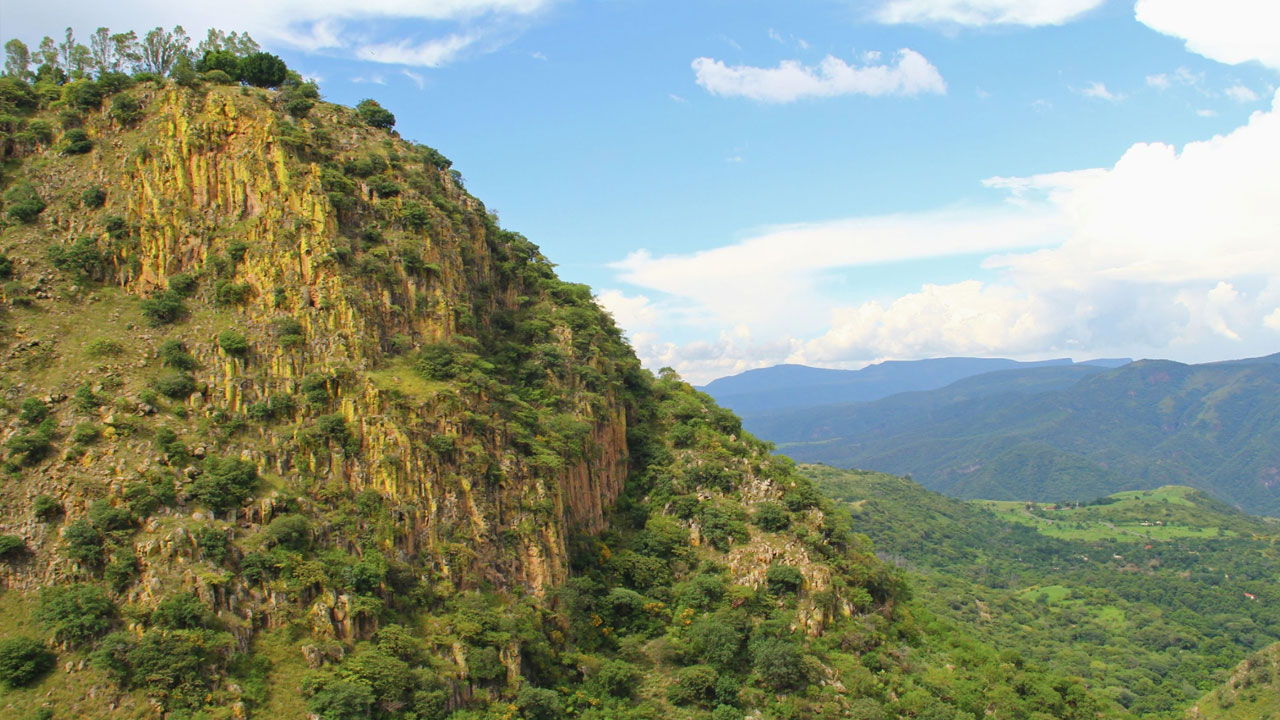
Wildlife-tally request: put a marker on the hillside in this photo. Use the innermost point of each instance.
(1067, 433)
(1252, 692)
(292, 426)
(1152, 597)
(783, 387)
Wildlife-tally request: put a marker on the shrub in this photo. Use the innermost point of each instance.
(218, 77)
(94, 197)
(126, 109)
(46, 508)
(183, 283)
(106, 517)
(23, 203)
(289, 332)
(694, 685)
(164, 308)
(183, 611)
(6, 267)
(85, 433)
(213, 543)
(30, 447)
(225, 484)
(414, 216)
(33, 411)
(290, 531)
(783, 579)
(226, 292)
(771, 517)
(483, 664)
(11, 546)
(84, 398)
(104, 347)
(77, 613)
(121, 571)
(176, 385)
(374, 115)
(780, 664)
(80, 258)
(113, 82)
(174, 354)
(618, 678)
(77, 142)
(539, 703)
(233, 343)
(333, 428)
(83, 95)
(342, 700)
(23, 660)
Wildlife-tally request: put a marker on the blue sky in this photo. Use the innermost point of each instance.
(837, 182)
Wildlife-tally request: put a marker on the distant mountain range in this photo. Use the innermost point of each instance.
(1059, 432)
(792, 386)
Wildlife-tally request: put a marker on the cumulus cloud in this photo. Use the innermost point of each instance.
(1229, 31)
(1169, 251)
(984, 12)
(909, 74)
(350, 27)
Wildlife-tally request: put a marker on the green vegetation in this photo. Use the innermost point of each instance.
(23, 660)
(1147, 595)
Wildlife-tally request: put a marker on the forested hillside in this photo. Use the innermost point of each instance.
(1152, 596)
(1063, 433)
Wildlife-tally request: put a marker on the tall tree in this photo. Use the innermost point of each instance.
(17, 59)
(65, 50)
(160, 49)
(48, 52)
(126, 50)
(103, 51)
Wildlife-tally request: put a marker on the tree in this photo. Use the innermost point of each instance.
(17, 60)
(160, 49)
(76, 613)
(263, 70)
(48, 52)
(375, 115)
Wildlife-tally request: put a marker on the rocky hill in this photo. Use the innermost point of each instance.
(292, 426)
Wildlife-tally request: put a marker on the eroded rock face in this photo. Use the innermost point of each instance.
(210, 186)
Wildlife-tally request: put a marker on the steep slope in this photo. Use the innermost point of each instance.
(783, 387)
(1151, 596)
(1035, 435)
(1252, 692)
(292, 426)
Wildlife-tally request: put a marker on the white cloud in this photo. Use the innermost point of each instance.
(1241, 94)
(1206, 113)
(1169, 252)
(1229, 31)
(1160, 82)
(337, 26)
(432, 54)
(1099, 90)
(417, 78)
(910, 74)
(984, 12)
(633, 312)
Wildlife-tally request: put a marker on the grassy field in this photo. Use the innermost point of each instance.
(1133, 516)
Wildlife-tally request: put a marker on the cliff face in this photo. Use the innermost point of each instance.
(221, 187)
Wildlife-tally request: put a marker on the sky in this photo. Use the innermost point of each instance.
(836, 182)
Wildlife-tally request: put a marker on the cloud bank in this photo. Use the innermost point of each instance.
(984, 12)
(1171, 251)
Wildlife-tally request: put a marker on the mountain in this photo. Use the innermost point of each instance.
(291, 426)
(1251, 692)
(1151, 597)
(791, 386)
(1063, 433)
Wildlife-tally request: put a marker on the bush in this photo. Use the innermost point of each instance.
(77, 142)
(81, 258)
(342, 700)
(30, 447)
(83, 95)
(233, 343)
(618, 678)
(23, 660)
(33, 411)
(164, 308)
(374, 115)
(94, 197)
(225, 484)
(76, 614)
(183, 611)
(780, 665)
(484, 665)
(333, 428)
(176, 385)
(694, 685)
(82, 542)
(23, 203)
(226, 292)
(771, 517)
(106, 517)
(6, 267)
(290, 531)
(126, 109)
(783, 579)
(289, 332)
(46, 508)
(218, 77)
(11, 546)
(539, 703)
(104, 347)
(121, 571)
(85, 433)
(174, 354)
